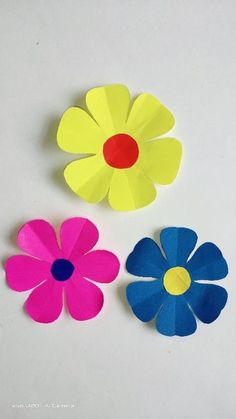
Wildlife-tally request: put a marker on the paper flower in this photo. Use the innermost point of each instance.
(176, 295)
(55, 270)
(124, 162)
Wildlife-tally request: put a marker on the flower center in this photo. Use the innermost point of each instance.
(120, 151)
(177, 280)
(62, 269)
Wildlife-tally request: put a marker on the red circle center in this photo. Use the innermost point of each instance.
(121, 151)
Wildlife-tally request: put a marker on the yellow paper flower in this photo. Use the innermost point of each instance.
(126, 156)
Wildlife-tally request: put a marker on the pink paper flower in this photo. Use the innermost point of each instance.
(55, 270)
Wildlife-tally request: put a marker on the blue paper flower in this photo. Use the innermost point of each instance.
(176, 295)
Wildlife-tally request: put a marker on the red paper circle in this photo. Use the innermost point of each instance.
(121, 151)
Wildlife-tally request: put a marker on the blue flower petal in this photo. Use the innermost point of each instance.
(175, 318)
(207, 263)
(206, 300)
(145, 298)
(177, 244)
(147, 260)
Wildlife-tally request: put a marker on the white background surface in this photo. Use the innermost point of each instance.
(52, 52)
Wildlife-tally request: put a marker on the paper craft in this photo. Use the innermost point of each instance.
(57, 269)
(176, 294)
(126, 156)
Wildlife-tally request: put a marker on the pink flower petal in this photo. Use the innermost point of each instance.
(99, 265)
(84, 299)
(24, 272)
(45, 303)
(78, 236)
(38, 238)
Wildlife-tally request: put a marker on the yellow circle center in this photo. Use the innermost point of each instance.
(177, 280)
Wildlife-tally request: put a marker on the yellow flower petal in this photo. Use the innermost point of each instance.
(109, 106)
(148, 118)
(160, 159)
(130, 189)
(79, 133)
(89, 178)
